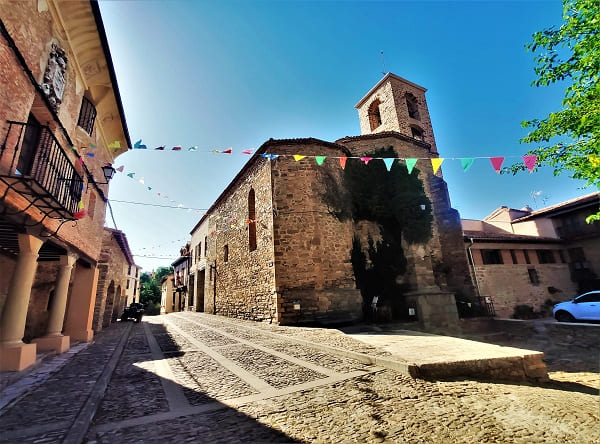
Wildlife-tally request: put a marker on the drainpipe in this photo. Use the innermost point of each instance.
(473, 266)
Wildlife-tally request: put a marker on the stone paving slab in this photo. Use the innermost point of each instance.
(445, 356)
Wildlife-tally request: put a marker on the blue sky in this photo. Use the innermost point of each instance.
(234, 74)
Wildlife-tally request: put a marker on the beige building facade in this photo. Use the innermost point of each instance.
(535, 258)
(169, 300)
(60, 110)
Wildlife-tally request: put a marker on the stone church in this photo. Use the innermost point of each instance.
(341, 240)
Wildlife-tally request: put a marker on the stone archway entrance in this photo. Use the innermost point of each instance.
(110, 301)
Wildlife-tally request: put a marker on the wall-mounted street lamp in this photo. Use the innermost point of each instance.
(108, 172)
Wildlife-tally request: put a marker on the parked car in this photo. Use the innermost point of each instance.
(585, 307)
(135, 311)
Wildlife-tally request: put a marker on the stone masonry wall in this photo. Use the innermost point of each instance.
(34, 31)
(509, 285)
(112, 268)
(394, 111)
(312, 247)
(445, 252)
(245, 283)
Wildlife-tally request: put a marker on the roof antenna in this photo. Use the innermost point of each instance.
(383, 63)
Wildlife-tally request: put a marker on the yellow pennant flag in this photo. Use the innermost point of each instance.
(436, 163)
(298, 157)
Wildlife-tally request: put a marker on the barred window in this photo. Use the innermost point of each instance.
(87, 116)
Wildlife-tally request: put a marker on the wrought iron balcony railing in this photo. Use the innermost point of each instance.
(35, 165)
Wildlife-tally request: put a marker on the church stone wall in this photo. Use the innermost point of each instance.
(315, 280)
(245, 284)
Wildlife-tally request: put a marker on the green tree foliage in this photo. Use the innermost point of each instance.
(571, 53)
(150, 292)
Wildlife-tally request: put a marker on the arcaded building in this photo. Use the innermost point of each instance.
(335, 236)
(61, 126)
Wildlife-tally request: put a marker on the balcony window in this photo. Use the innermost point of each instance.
(87, 116)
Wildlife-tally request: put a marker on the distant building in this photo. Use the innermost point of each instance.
(61, 123)
(526, 257)
(283, 244)
(181, 275)
(133, 284)
(169, 300)
(115, 263)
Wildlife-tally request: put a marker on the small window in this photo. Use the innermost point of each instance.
(491, 257)
(545, 256)
(413, 107)
(87, 116)
(205, 245)
(527, 260)
(533, 276)
(561, 255)
(127, 286)
(417, 133)
(252, 220)
(226, 253)
(513, 256)
(374, 114)
(134, 290)
(129, 271)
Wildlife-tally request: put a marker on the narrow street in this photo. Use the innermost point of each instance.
(200, 378)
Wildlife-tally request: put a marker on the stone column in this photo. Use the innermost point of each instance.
(80, 312)
(54, 339)
(15, 355)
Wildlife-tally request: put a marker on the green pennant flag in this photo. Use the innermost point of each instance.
(466, 163)
(410, 164)
(130, 175)
(319, 160)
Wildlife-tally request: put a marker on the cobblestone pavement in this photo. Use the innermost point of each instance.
(193, 377)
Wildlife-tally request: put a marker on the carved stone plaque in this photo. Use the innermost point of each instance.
(55, 76)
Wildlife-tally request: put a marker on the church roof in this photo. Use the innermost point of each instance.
(385, 78)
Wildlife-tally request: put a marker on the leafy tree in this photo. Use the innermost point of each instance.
(571, 136)
(150, 291)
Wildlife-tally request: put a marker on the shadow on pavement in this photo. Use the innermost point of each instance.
(135, 394)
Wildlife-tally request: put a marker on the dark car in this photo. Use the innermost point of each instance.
(135, 311)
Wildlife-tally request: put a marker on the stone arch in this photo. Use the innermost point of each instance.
(374, 114)
(110, 301)
(413, 106)
(118, 305)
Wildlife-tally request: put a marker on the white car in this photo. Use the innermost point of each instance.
(585, 307)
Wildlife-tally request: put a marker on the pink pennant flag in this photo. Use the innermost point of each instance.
(343, 162)
(121, 168)
(227, 151)
(176, 148)
(529, 162)
(80, 160)
(366, 160)
(497, 163)
(247, 151)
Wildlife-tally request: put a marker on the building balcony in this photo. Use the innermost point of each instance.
(35, 165)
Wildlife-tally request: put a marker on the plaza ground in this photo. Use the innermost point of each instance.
(202, 378)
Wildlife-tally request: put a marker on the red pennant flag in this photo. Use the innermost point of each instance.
(529, 162)
(80, 160)
(247, 151)
(79, 214)
(227, 151)
(497, 163)
(176, 148)
(343, 162)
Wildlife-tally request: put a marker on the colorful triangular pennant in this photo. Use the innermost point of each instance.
(388, 163)
(529, 162)
(410, 164)
(466, 163)
(319, 160)
(298, 157)
(497, 163)
(436, 163)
